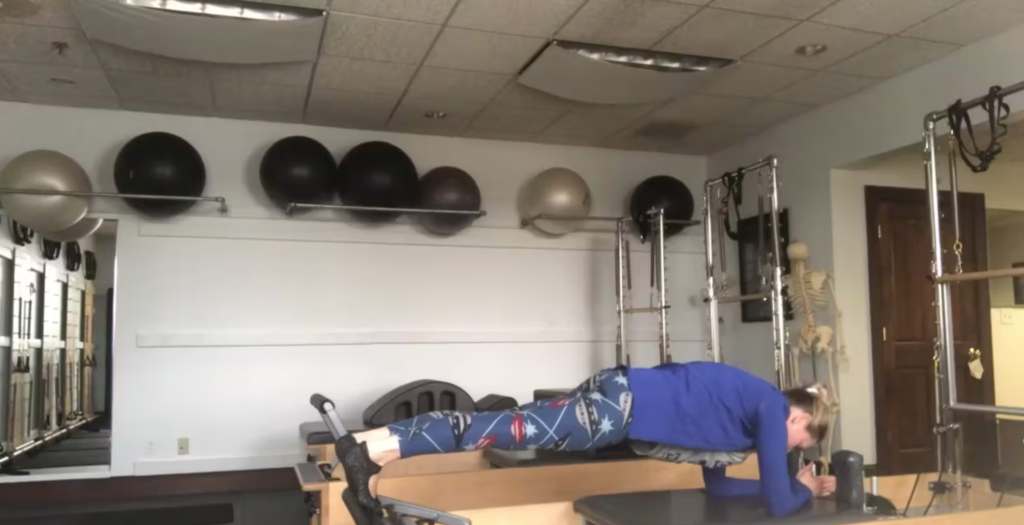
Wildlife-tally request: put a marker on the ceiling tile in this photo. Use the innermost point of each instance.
(115, 58)
(595, 123)
(797, 9)
(350, 109)
(824, 88)
(519, 96)
(274, 98)
(450, 84)
(37, 82)
(288, 74)
(183, 91)
(168, 108)
(701, 109)
(516, 17)
(842, 43)
(508, 136)
(894, 56)
(650, 134)
(362, 76)
(108, 101)
(691, 2)
(428, 11)
(755, 80)
(5, 87)
(52, 13)
(368, 38)
(626, 23)
(294, 116)
(725, 34)
(518, 120)
(565, 140)
(764, 113)
(713, 138)
(478, 51)
(882, 16)
(22, 43)
(411, 117)
(970, 21)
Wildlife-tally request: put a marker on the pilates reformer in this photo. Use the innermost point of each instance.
(727, 190)
(948, 431)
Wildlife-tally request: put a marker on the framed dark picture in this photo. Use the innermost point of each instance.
(750, 279)
(1018, 286)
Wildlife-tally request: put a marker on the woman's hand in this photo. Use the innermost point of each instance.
(819, 486)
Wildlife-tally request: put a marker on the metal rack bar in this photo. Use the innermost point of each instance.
(979, 276)
(744, 298)
(527, 221)
(938, 116)
(778, 309)
(709, 261)
(292, 206)
(988, 409)
(659, 223)
(108, 195)
(38, 442)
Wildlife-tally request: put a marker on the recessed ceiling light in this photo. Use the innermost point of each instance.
(435, 115)
(242, 9)
(810, 50)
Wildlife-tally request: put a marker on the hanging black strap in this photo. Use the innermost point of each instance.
(72, 256)
(51, 250)
(997, 111)
(733, 183)
(90, 265)
(21, 235)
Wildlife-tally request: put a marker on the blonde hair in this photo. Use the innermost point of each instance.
(816, 400)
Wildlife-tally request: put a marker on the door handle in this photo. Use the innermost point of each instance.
(973, 354)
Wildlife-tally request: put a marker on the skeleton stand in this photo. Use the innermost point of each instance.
(717, 284)
(947, 432)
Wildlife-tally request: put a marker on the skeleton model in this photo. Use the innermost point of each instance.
(810, 291)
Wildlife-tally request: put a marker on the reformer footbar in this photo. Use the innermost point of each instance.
(382, 510)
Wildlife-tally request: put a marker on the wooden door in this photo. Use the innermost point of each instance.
(903, 329)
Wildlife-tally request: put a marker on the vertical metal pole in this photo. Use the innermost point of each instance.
(943, 309)
(621, 358)
(662, 303)
(778, 311)
(715, 349)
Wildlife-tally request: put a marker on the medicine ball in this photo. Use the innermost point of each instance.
(377, 174)
(665, 192)
(159, 163)
(50, 171)
(557, 192)
(297, 169)
(448, 188)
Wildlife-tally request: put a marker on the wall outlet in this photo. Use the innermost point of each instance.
(182, 446)
(150, 448)
(1006, 316)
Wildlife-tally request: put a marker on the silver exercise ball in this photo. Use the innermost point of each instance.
(558, 192)
(76, 231)
(44, 170)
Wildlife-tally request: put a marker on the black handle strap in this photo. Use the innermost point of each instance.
(733, 183)
(979, 159)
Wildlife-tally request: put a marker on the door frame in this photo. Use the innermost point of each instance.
(874, 197)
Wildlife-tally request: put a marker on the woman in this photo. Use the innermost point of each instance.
(706, 413)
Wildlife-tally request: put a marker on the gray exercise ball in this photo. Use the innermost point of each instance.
(558, 192)
(44, 170)
(76, 231)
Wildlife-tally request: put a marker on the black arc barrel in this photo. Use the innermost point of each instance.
(377, 174)
(448, 188)
(667, 193)
(297, 169)
(159, 163)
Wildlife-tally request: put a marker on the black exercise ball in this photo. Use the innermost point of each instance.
(159, 163)
(297, 169)
(377, 174)
(448, 188)
(661, 191)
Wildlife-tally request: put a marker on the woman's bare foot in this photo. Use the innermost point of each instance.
(382, 448)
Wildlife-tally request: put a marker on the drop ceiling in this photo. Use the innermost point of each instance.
(385, 64)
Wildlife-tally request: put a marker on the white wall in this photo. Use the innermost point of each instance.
(225, 326)
(1005, 248)
(878, 120)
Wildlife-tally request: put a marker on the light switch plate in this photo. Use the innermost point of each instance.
(182, 446)
(1006, 316)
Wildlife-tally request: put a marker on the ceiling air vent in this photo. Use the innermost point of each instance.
(614, 75)
(221, 31)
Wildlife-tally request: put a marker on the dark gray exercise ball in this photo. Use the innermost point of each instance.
(297, 169)
(48, 171)
(448, 188)
(661, 192)
(380, 175)
(159, 163)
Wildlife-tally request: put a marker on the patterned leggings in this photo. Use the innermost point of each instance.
(595, 415)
